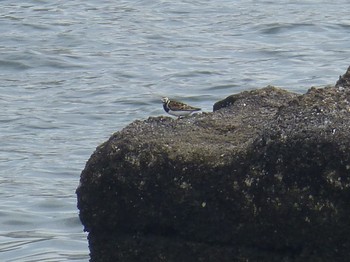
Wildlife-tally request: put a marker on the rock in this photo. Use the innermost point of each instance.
(344, 80)
(265, 177)
(270, 98)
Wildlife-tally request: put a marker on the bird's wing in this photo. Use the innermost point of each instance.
(178, 106)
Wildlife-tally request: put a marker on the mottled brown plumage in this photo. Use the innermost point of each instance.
(176, 108)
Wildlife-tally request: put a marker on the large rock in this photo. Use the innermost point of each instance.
(265, 177)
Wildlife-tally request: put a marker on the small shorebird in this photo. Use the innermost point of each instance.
(178, 109)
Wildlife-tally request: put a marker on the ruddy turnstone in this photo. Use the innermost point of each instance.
(178, 109)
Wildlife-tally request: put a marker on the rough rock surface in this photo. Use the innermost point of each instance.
(265, 177)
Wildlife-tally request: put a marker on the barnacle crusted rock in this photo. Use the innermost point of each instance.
(265, 177)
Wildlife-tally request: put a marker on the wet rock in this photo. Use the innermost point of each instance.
(344, 80)
(265, 177)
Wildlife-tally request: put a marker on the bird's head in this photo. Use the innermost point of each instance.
(165, 100)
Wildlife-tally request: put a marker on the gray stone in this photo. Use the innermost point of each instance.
(265, 177)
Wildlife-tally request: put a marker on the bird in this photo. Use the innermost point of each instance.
(178, 109)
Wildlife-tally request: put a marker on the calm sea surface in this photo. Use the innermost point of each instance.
(74, 72)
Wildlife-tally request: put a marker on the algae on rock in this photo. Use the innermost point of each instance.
(265, 177)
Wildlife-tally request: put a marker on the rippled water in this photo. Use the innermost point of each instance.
(74, 72)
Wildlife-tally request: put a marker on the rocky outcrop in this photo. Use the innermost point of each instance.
(344, 80)
(265, 177)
